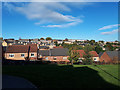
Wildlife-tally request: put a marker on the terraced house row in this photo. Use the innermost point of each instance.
(58, 54)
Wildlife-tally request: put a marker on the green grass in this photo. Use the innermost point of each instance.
(67, 76)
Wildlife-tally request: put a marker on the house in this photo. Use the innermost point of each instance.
(8, 42)
(54, 55)
(59, 41)
(68, 42)
(94, 55)
(21, 52)
(110, 57)
(43, 47)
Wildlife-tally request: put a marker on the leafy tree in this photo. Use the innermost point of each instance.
(56, 43)
(66, 39)
(1, 38)
(48, 38)
(73, 54)
(42, 39)
(109, 47)
(98, 49)
(87, 57)
(89, 48)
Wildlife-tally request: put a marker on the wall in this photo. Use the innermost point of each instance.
(17, 56)
(59, 58)
(106, 58)
(4, 43)
(35, 56)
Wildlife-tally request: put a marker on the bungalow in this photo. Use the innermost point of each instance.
(21, 52)
(110, 57)
(54, 55)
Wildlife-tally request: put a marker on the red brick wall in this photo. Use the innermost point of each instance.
(106, 58)
(58, 58)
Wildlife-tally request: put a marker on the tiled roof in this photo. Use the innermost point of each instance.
(113, 54)
(21, 48)
(54, 52)
(82, 52)
(59, 47)
(94, 53)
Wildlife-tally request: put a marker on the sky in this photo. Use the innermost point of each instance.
(60, 20)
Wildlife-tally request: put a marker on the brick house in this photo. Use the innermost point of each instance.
(54, 55)
(94, 55)
(20, 52)
(110, 57)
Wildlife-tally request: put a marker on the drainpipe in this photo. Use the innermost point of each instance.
(28, 51)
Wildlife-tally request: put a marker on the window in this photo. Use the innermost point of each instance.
(46, 58)
(55, 58)
(32, 54)
(11, 55)
(64, 58)
(22, 55)
(95, 59)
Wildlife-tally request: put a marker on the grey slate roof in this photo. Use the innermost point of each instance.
(113, 54)
(54, 52)
(100, 54)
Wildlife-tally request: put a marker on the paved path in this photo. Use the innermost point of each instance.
(16, 82)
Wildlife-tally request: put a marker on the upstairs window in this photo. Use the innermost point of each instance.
(22, 55)
(11, 55)
(32, 54)
(64, 58)
(55, 58)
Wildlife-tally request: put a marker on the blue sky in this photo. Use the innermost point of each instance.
(98, 21)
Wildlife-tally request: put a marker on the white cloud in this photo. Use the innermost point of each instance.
(65, 25)
(109, 27)
(46, 13)
(110, 32)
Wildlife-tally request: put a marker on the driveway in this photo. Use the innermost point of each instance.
(16, 82)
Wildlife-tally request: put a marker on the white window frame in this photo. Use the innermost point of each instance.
(54, 58)
(11, 55)
(22, 54)
(46, 58)
(31, 54)
(65, 58)
(95, 59)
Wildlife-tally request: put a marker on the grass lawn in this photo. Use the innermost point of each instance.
(67, 76)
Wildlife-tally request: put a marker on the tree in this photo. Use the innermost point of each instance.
(66, 39)
(98, 49)
(89, 48)
(1, 38)
(87, 57)
(109, 47)
(48, 38)
(42, 39)
(73, 54)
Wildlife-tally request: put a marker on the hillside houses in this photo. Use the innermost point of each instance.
(47, 50)
(21, 52)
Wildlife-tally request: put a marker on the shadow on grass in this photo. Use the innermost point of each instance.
(107, 73)
(54, 76)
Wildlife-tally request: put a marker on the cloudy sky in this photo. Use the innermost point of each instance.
(60, 20)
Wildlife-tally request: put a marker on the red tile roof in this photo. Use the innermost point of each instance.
(82, 52)
(21, 48)
(59, 47)
(94, 53)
